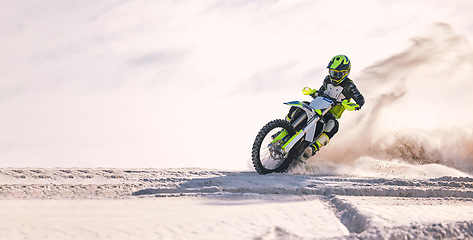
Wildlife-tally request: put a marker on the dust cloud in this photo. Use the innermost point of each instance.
(417, 107)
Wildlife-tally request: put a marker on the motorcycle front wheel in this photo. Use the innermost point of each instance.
(267, 154)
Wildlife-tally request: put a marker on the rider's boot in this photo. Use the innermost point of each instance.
(321, 141)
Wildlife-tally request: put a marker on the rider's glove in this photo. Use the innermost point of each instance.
(309, 91)
(350, 106)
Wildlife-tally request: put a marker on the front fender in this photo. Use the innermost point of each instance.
(310, 111)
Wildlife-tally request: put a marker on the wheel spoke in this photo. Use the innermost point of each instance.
(270, 158)
(267, 153)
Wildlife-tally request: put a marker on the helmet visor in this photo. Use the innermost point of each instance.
(337, 75)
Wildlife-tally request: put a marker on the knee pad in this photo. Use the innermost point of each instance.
(331, 127)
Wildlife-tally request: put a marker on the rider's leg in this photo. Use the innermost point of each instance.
(331, 128)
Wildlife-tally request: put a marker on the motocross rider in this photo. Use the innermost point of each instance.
(338, 86)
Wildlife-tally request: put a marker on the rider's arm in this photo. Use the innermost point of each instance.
(359, 99)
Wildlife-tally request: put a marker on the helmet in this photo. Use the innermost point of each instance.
(339, 68)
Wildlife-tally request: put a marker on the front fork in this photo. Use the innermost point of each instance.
(276, 146)
(289, 144)
(282, 148)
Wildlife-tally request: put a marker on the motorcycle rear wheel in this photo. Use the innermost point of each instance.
(265, 156)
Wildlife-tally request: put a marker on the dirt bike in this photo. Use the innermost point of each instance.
(280, 142)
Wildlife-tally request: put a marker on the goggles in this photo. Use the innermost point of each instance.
(337, 75)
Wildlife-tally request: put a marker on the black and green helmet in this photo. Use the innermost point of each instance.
(339, 68)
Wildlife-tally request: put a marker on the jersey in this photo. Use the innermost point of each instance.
(345, 90)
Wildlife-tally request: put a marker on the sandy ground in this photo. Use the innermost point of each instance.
(215, 204)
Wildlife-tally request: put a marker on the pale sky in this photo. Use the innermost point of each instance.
(180, 83)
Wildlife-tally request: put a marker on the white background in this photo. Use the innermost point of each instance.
(187, 83)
